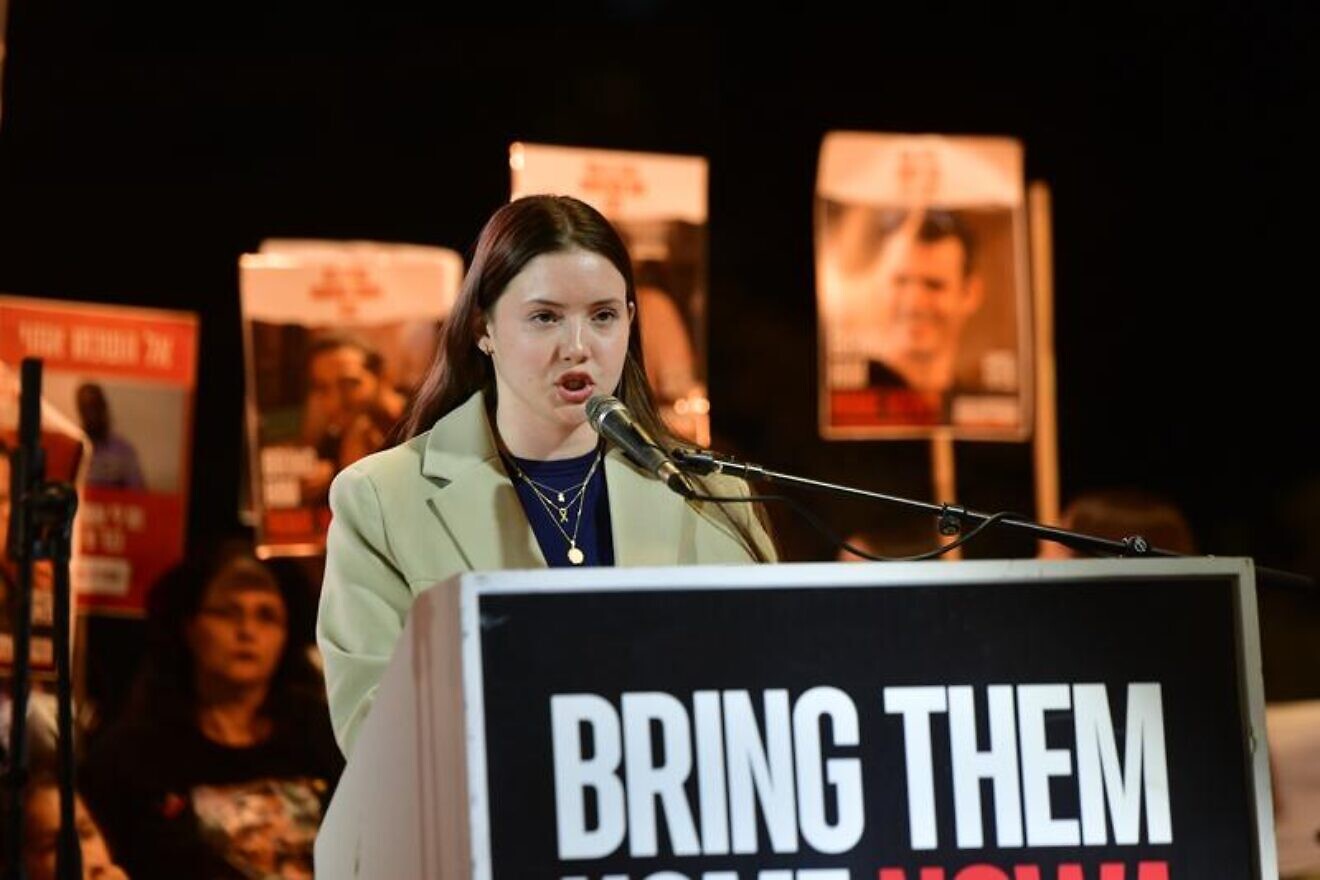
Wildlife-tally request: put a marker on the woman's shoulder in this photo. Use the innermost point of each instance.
(724, 485)
(746, 517)
(461, 435)
(387, 472)
(405, 458)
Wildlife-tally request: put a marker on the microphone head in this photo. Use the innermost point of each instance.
(600, 406)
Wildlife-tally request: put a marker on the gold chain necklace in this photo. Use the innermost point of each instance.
(560, 505)
(560, 514)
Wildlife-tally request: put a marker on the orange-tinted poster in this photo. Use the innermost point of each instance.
(338, 336)
(922, 288)
(125, 377)
(657, 202)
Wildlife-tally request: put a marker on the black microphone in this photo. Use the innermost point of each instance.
(611, 419)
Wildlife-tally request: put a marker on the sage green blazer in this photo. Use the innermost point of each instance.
(441, 504)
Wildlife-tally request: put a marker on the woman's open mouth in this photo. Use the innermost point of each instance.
(575, 387)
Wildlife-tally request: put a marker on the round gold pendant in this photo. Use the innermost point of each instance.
(576, 556)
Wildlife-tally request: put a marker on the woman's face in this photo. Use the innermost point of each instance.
(557, 336)
(238, 635)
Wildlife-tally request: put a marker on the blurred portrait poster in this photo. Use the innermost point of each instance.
(657, 202)
(922, 287)
(338, 336)
(123, 379)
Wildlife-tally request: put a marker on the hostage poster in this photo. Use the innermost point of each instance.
(338, 335)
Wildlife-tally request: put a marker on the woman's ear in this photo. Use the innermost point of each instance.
(482, 331)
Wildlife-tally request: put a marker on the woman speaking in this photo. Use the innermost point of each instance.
(497, 466)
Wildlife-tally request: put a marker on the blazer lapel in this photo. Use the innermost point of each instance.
(462, 461)
(646, 516)
(468, 476)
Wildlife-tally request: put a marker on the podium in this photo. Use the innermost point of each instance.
(961, 721)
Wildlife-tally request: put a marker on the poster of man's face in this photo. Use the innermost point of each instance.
(348, 396)
(355, 384)
(341, 382)
(338, 337)
(922, 300)
(925, 291)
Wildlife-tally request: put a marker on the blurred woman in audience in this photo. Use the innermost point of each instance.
(224, 760)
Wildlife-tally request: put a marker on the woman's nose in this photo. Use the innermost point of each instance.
(574, 343)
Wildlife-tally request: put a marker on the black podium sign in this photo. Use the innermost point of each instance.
(1028, 721)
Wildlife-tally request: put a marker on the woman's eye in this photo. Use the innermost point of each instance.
(606, 315)
(544, 317)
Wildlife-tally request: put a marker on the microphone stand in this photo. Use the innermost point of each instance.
(952, 518)
(40, 528)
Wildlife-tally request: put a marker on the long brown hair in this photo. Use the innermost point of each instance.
(516, 234)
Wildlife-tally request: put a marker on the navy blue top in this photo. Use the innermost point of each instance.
(594, 537)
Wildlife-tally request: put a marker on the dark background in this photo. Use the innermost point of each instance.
(140, 155)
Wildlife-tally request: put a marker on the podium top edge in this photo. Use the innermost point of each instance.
(850, 574)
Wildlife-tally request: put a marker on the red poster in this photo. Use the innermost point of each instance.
(125, 378)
